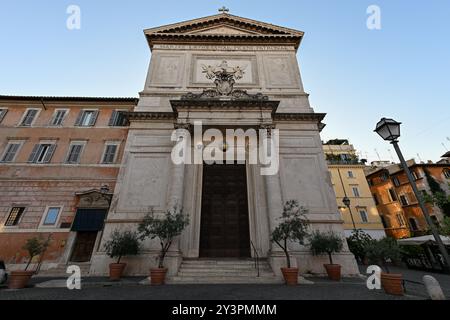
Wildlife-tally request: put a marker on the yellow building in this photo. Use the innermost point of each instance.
(349, 181)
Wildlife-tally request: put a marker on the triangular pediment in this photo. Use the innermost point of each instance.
(223, 29)
(223, 24)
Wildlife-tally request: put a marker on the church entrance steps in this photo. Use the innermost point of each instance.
(60, 270)
(211, 271)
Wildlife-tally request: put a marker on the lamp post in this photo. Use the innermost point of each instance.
(346, 202)
(389, 130)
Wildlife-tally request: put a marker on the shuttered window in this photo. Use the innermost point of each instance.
(58, 117)
(14, 216)
(118, 119)
(74, 153)
(42, 153)
(86, 118)
(3, 114)
(10, 152)
(29, 117)
(110, 153)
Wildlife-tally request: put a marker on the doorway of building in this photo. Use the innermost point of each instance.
(83, 247)
(224, 230)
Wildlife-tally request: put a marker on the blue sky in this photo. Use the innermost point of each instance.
(353, 74)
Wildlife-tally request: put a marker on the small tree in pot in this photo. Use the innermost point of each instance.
(378, 252)
(293, 227)
(34, 247)
(121, 244)
(328, 243)
(166, 229)
(356, 244)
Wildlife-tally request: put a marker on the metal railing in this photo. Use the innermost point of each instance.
(256, 257)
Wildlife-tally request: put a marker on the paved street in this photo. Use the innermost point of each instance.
(322, 289)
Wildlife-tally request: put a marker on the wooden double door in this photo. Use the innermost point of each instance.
(224, 230)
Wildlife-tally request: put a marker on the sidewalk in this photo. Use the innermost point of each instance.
(130, 289)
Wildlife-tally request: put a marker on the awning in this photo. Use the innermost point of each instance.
(89, 220)
(422, 240)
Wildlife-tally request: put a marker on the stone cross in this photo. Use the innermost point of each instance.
(224, 9)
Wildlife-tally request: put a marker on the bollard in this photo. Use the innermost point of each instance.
(434, 289)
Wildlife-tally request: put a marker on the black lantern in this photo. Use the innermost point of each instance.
(388, 129)
(346, 201)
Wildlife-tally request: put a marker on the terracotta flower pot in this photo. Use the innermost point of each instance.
(392, 283)
(19, 279)
(290, 276)
(116, 271)
(158, 276)
(333, 271)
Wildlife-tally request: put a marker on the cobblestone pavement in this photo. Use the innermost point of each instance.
(322, 289)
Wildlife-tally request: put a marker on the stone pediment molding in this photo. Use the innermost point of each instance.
(224, 105)
(317, 117)
(220, 27)
(94, 199)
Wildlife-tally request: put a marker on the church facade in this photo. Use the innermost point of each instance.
(222, 72)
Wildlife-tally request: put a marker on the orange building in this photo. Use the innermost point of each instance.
(59, 158)
(396, 202)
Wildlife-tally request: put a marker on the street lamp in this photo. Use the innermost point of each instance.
(389, 130)
(346, 202)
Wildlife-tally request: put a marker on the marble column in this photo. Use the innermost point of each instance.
(273, 194)
(176, 191)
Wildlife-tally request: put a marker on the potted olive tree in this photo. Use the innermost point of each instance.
(292, 228)
(356, 244)
(327, 243)
(34, 247)
(378, 252)
(165, 229)
(121, 244)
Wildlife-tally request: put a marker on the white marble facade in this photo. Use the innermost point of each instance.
(148, 178)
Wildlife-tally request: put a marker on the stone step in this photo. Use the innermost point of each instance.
(222, 262)
(61, 269)
(252, 273)
(223, 267)
(227, 280)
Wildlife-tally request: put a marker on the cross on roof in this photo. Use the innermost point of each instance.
(224, 9)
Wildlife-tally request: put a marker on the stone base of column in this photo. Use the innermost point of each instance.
(136, 266)
(309, 264)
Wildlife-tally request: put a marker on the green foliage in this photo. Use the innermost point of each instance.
(122, 244)
(35, 246)
(378, 251)
(165, 229)
(438, 197)
(328, 243)
(293, 227)
(445, 227)
(435, 187)
(357, 242)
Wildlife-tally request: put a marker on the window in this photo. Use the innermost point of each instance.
(109, 155)
(384, 176)
(42, 153)
(350, 174)
(364, 216)
(414, 174)
(393, 195)
(413, 224)
(447, 173)
(375, 198)
(14, 216)
(404, 200)
(370, 182)
(3, 113)
(118, 119)
(87, 118)
(75, 150)
(51, 216)
(400, 219)
(29, 117)
(11, 151)
(396, 181)
(58, 117)
(356, 192)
